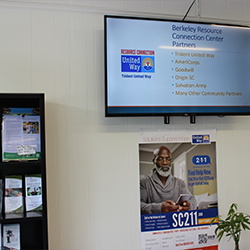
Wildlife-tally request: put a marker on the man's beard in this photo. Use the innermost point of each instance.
(163, 173)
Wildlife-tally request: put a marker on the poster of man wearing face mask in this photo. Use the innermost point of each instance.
(178, 189)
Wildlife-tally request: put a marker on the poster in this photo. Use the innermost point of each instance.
(178, 189)
(21, 134)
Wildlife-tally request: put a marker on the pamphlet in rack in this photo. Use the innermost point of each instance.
(21, 134)
(13, 196)
(33, 199)
(1, 198)
(11, 236)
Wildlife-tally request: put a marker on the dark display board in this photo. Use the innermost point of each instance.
(32, 222)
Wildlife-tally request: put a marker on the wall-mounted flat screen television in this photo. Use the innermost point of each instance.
(164, 68)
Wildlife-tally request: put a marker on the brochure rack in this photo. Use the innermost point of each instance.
(33, 224)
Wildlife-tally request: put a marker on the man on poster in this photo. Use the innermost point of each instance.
(160, 190)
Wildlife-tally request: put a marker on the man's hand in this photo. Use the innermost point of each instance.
(185, 206)
(169, 206)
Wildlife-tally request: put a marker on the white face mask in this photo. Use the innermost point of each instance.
(163, 173)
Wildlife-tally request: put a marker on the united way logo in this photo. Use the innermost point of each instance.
(148, 64)
(201, 139)
(137, 61)
(206, 139)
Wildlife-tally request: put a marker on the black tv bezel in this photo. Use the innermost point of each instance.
(202, 111)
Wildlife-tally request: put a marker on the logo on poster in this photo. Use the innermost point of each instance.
(206, 139)
(201, 139)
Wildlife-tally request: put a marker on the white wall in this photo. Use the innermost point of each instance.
(56, 47)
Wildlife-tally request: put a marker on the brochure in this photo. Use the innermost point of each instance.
(33, 189)
(11, 236)
(21, 134)
(1, 198)
(13, 195)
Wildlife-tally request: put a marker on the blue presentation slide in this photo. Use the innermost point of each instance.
(152, 63)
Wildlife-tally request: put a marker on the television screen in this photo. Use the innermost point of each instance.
(161, 67)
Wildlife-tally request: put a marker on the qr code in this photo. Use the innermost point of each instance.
(202, 238)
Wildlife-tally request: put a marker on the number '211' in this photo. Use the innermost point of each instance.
(201, 160)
